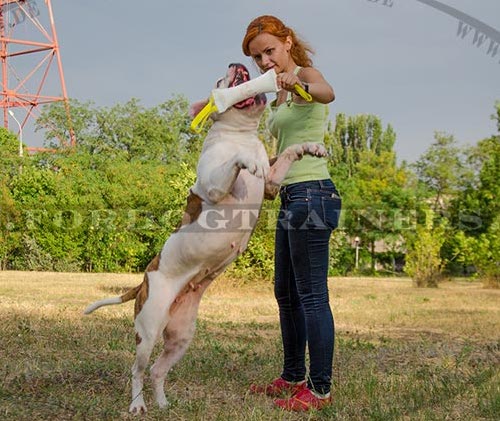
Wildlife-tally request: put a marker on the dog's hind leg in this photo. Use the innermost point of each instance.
(148, 329)
(177, 335)
(143, 352)
(151, 318)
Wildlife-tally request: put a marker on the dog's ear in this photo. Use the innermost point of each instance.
(196, 107)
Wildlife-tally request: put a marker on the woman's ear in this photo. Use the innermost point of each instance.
(288, 43)
(196, 107)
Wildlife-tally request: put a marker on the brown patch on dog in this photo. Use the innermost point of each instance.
(140, 292)
(138, 339)
(130, 294)
(154, 264)
(192, 211)
(271, 191)
(142, 295)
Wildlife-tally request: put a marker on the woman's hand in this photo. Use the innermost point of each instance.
(287, 81)
(317, 86)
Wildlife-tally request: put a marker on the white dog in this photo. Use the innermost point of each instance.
(223, 206)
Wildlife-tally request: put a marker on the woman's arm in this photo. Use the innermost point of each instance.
(311, 80)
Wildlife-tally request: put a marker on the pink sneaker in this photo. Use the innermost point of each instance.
(278, 387)
(304, 400)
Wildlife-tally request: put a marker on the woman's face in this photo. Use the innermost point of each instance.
(269, 52)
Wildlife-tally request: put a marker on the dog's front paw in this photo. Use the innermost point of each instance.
(259, 169)
(138, 407)
(262, 170)
(315, 149)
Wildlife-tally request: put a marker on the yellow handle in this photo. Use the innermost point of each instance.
(202, 117)
(303, 93)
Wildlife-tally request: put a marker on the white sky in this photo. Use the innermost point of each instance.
(402, 61)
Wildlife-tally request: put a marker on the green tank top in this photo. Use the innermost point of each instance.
(292, 123)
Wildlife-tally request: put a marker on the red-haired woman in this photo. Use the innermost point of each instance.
(310, 209)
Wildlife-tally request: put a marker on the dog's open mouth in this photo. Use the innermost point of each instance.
(238, 74)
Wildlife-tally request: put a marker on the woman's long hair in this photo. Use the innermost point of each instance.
(300, 50)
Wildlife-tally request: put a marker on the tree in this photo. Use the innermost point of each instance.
(379, 202)
(475, 210)
(128, 130)
(481, 252)
(476, 205)
(363, 164)
(105, 204)
(9, 154)
(54, 119)
(440, 169)
(496, 116)
(9, 211)
(351, 137)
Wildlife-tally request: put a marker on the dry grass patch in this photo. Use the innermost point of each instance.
(401, 352)
(394, 307)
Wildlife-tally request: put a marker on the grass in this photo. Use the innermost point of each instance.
(401, 352)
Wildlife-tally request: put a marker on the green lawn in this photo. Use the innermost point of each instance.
(401, 352)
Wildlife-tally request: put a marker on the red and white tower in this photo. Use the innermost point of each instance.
(32, 72)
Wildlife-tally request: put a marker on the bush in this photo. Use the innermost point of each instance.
(423, 260)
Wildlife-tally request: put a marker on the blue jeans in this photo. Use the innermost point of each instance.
(309, 213)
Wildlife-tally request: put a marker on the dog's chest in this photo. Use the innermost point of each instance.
(248, 190)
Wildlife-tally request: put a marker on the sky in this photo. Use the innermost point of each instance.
(410, 62)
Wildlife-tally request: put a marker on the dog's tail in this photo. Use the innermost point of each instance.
(129, 295)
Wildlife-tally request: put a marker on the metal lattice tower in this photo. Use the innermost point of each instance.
(31, 62)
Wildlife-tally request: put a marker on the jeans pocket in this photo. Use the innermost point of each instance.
(331, 206)
(297, 196)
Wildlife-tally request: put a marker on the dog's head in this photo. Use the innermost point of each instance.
(236, 74)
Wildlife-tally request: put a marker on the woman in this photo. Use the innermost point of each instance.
(310, 208)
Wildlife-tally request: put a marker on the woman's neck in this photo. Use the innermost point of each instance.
(291, 66)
